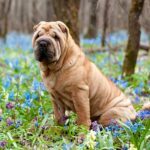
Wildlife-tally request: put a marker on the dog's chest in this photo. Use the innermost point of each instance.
(63, 95)
(49, 81)
(59, 86)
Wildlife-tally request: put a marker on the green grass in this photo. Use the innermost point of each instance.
(33, 125)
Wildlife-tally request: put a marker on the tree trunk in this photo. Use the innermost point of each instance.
(6, 5)
(134, 32)
(67, 11)
(105, 22)
(92, 29)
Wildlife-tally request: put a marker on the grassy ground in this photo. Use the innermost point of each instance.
(26, 114)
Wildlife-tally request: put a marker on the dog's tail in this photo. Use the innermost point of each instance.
(144, 113)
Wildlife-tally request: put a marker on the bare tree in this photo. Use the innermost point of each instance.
(5, 6)
(105, 22)
(92, 29)
(132, 49)
(67, 11)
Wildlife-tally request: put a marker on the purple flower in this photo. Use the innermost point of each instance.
(95, 126)
(9, 105)
(64, 118)
(43, 127)
(9, 122)
(3, 144)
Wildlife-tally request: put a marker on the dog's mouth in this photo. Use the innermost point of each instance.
(42, 56)
(43, 52)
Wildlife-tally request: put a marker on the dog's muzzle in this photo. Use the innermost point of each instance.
(41, 52)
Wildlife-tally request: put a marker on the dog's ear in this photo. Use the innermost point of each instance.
(63, 27)
(37, 25)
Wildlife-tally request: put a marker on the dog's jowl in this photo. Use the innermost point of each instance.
(73, 81)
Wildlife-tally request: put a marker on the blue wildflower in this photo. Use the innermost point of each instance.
(11, 95)
(35, 85)
(135, 126)
(137, 99)
(15, 64)
(27, 95)
(67, 146)
(34, 96)
(7, 82)
(122, 83)
(40, 111)
(18, 123)
(28, 100)
(42, 86)
(36, 124)
(124, 147)
(1, 118)
(115, 128)
(28, 103)
(116, 134)
(143, 114)
(137, 90)
(113, 79)
(15, 41)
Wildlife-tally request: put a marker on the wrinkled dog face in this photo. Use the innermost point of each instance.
(49, 41)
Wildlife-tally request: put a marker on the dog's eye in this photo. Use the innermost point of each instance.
(37, 36)
(56, 37)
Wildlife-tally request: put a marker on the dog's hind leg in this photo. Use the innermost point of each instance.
(117, 113)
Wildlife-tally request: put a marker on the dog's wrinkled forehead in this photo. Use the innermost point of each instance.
(58, 25)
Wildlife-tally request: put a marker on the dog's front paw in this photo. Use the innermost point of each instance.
(86, 123)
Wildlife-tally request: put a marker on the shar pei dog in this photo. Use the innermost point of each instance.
(73, 81)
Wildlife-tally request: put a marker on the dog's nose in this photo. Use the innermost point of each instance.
(43, 43)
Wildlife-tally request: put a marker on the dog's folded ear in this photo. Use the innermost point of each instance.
(63, 27)
(37, 25)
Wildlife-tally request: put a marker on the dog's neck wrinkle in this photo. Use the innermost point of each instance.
(67, 59)
(71, 55)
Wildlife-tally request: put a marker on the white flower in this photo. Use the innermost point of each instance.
(90, 139)
(132, 147)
